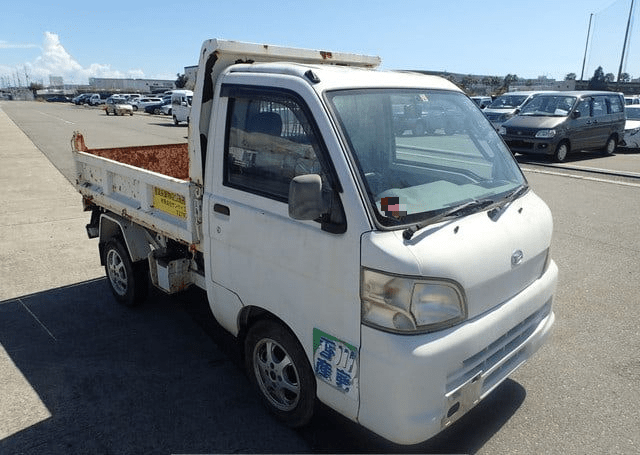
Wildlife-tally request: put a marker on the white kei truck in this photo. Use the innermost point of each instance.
(396, 278)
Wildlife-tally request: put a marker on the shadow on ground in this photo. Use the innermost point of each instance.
(165, 377)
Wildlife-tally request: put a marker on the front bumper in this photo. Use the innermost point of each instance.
(531, 145)
(412, 387)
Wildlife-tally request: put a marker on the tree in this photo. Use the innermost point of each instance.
(609, 77)
(508, 80)
(34, 87)
(597, 82)
(570, 77)
(181, 82)
(625, 77)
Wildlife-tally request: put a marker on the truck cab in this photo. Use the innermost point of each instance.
(392, 261)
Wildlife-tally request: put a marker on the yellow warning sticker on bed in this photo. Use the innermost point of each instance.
(171, 203)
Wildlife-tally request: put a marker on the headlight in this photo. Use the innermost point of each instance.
(408, 305)
(546, 134)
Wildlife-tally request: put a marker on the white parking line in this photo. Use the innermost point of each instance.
(57, 118)
(581, 177)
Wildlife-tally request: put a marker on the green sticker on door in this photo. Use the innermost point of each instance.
(336, 363)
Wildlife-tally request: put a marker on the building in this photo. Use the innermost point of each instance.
(113, 85)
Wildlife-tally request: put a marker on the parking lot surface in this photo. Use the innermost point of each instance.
(81, 374)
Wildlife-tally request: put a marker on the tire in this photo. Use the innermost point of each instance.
(135, 108)
(106, 111)
(175, 121)
(129, 282)
(610, 146)
(562, 150)
(278, 368)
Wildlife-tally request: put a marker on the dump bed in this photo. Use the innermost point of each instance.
(147, 184)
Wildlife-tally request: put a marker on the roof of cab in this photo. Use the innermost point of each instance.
(334, 77)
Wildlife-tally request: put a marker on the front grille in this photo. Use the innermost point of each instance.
(485, 360)
(522, 132)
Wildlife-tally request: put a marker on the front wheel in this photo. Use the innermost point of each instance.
(129, 282)
(175, 121)
(562, 150)
(278, 367)
(610, 146)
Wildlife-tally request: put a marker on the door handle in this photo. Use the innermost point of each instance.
(223, 209)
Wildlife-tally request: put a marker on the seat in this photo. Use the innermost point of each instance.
(265, 122)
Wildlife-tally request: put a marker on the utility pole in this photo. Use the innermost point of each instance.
(586, 46)
(626, 38)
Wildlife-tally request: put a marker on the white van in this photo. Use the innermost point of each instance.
(506, 106)
(181, 105)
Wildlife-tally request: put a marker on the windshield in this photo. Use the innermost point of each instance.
(420, 153)
(508, 101)
(549, 106)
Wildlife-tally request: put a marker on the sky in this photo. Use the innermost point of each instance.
(157, 39)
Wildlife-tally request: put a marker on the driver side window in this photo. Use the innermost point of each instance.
(269, 141)
(584, 107)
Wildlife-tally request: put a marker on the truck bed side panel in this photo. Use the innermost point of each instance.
(163, 203)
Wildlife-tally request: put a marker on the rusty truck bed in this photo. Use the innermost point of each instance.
(167, 159)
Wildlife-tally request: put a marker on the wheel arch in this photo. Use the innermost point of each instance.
(137, 240)
(249, 315)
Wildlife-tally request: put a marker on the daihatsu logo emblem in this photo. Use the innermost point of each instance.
(516, 257)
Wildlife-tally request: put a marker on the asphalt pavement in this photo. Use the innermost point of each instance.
(81, 374)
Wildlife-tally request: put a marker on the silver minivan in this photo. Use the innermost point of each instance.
(558, 123)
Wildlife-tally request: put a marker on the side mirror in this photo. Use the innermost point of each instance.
(305, 197)
(576, 114)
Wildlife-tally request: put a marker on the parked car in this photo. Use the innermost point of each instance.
(117, 106)
(156, 108)
(81, 99)
(558, 123)
(424, 116)
(129, 97)
(167, 109)
(506, 106)
(59, 99)
(95, 100)
(181, 105)
(631, 100)
(141, 103)
(481, 101)
(631, 138)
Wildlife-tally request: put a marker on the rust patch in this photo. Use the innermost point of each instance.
(326, 55)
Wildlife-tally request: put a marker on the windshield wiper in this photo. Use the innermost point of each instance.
(507, 200)
(456, 211)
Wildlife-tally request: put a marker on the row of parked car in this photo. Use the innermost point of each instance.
(557, 123)
(176, 103)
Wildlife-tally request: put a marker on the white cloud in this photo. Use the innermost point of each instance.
(56, 61)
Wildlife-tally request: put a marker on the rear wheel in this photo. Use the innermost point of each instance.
(278, 367)
(610, 146)
(562, 150)
(129, 281)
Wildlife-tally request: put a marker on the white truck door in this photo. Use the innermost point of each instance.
(259, 256)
